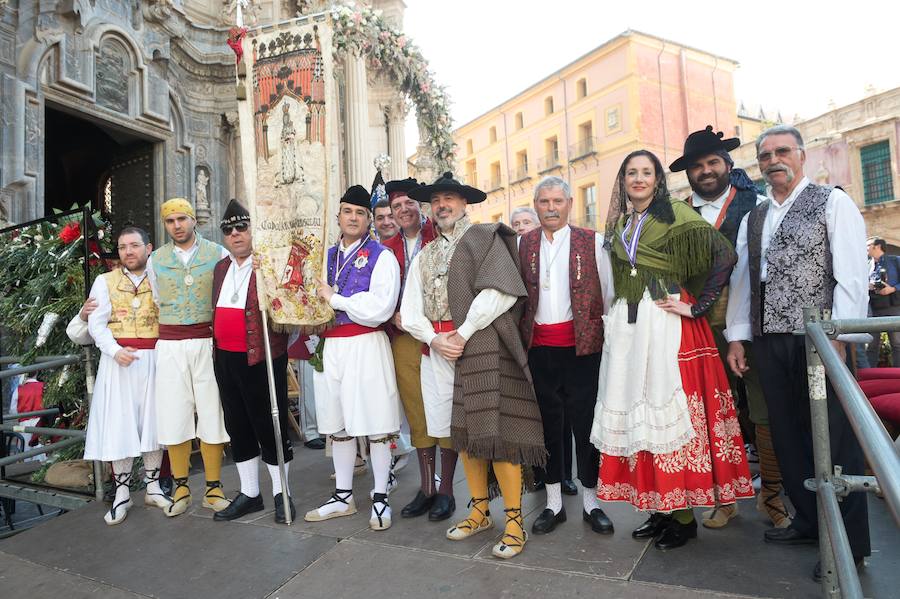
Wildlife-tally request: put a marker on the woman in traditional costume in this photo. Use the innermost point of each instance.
(665, 422)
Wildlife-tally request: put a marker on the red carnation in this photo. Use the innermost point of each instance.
(70, 232)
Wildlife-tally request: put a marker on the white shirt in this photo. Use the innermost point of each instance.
(555, 304)
(98, 321)
(710, 210)
(376, 306)
(236, 279)
(77, 330)
(849, 265)
(486, 307)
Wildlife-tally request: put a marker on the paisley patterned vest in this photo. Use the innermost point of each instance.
(799, 263)
(584, 288)
(126, 321)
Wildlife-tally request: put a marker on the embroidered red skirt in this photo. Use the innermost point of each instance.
(712, 466)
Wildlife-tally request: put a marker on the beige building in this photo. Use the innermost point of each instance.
(634, 91)
(854, 146)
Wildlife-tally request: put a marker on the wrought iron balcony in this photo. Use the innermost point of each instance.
(583, 148)
(520, 173)
(492, 184)
(548, 163)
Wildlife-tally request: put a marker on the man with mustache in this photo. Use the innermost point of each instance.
(417, 231)
(802, 247)
(722, 196)
(569, 281)
(462, 300)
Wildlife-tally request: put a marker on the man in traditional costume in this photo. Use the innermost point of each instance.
(385, 225)
(122, 419)
(182, 273)
(356, 392)
(802, 247)
(462, 300)
(722, 195)
(665, 422)
(241, 372)
(416, 232)
(569, 281)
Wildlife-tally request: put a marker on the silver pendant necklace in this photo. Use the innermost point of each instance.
(238, 286)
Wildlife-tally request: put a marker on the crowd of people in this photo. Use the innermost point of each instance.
(508, 350)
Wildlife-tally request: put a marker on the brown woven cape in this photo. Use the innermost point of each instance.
(495, 412)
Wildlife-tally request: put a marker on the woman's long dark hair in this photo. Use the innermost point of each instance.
(661, 204)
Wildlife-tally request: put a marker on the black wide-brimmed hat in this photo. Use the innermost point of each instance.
(701, 143)
(358, 196)
(446, 182)
(235, 213)
(401, 186)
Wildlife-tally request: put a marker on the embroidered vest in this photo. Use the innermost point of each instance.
(585, 292)
(180, 303)
(434, 267)
(126, 321)
(356, 276)
(256, 352)
(799, 263)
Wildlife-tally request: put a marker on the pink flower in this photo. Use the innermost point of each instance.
(401, 41)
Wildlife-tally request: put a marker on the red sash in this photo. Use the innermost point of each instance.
(137, 342)
(560, 334)
(350, 330)
(177, 332)
(230, 329)
(440, 326)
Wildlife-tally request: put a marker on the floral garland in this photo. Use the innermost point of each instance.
(41, 288)
(361, 30)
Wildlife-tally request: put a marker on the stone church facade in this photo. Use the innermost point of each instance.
(123, 104)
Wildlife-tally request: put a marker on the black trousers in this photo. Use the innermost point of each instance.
(781, 359)
(566, 389)
(244, 391)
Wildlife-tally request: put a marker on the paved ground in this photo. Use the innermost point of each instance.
(77, 556)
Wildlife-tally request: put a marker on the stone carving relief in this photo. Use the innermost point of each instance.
(201, 196)
(111, 68)
(34, 144)
(244, 10)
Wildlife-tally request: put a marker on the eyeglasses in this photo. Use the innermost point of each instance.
(239, 227)
(130, 246)
(782, 152)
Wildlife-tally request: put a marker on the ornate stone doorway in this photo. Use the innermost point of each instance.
(89, 161)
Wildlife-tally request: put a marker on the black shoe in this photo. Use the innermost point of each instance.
(547, 521)
(279, 509)
(654, 525)
(600, 522)
(167, 484)
(442, 507)
(788, 536)
(418, 506)
(240, 506)
(817, 571)
(569, 488)
(315, 443)
(676, 534)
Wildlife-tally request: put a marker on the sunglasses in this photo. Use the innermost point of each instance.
(239, 227)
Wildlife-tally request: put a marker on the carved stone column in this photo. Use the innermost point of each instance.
(397, 140)
(359, 169)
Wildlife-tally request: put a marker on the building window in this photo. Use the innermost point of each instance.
(585, 144)
(551, 153)
(519, 121)
(589, 205)
(468, 146)
(492, 135)
(876, 172)
(521, 171)
(494, 183)
(471, 174)
(548, 105)
(580, 89)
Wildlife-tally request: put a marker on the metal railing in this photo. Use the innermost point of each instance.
(839, 575)
(583, 147)
(520, 173)
(549, 162)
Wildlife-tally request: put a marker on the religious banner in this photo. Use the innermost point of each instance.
(288, 150)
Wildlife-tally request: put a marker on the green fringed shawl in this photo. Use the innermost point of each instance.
(680, 253)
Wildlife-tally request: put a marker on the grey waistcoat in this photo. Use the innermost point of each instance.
(799, 265)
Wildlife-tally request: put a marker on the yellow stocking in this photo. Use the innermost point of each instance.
(477, 477)
(212, 466)
(510, 478)
(180, 461)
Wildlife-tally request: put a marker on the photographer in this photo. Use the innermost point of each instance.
(884, 298)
